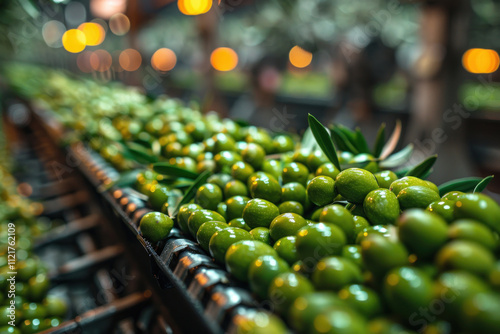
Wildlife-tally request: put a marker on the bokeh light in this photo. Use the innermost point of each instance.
(481, 61)
(94, 33)
(224, 59)
(194, 7)
(119, 24)
(100, 60)
(107, 8)
(83, 61)
(52, 32)
(163, 60)
(75, 13)
(74, 40)
(299, 57)
(130, 60)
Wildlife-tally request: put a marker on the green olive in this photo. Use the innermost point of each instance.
(380, 254)
(417, 197)
(261, 234)
(260, 213)
(235, 206)
(223, 239)
(321, 190)
(338, 215)
(199, 217)
(295, 172)
(208, 196)
(319, 240)
(285, 288)
(291, 206)
(385, 178)
(266, 188)
(332, 273)
(262, 271)
(293, 191)
(339, 320)
(479, 207)
(471, 230)
(362, 299)
(285, 247)
(240, 223)
(241, 171)
(444, 208)
(285, 225)
(465, 255)
(381, 207)
(327, 169)
(355, 183)
(155, 226)
(241, 254)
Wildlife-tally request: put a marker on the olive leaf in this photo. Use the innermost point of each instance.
(483, 184)
(165, 168)
(391, 144)
(140, 153)
(189, 195)
(422, 168)
(398, 158)
(465, 184)
(174, 198)
(361, 143)
(379, 141)
(342, 141)
(324, 140)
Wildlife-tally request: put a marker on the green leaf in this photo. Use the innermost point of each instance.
(392, 143)
(174, 198)
(398, 158)
(465, 184)
(361, 143)
(482, 185)
(140, 153)
(342, 141)
(324, 140)
(165, 168)
(348, 133)
(189, 195)
(423, 168)
(379, 141)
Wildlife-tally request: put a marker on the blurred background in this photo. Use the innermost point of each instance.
(431, 64)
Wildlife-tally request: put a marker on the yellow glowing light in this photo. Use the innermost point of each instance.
(163, 60)
(94, 33)
(224, 59)
(100, 60)
(299, 57)
(119, 24)
(74, 40)
(130, 60)
(481, 60)
(194, 7)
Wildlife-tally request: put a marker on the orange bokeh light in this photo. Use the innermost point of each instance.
(163, 60)
(224, 59)
(481, 61)
(100, 60)
(130, 60)
(299, 57)
(74, 41)
(194, 7)
(119, 24)
(94, 33)
(83, 61)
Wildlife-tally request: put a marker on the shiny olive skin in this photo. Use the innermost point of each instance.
(355, 183)
(241, 171)
(381, 254)
(471, 230)
(291, 206)
(417, 197)
(321, 190)
(260, 213)
(407, 181)
(285, 225)
(478, 207)
(261, 234)
(240, 223)
(266, 188)
(235, 206)
(285, 288)
(362, 299)
(295, 172)
(285, 247)
(293, 191)
(197, 218)
(240, 255)
(338, 215)
(465, 255)
(262, 271)
(385, 178)
(318, 241)
(381, 207)
(327, 169)
(208, 196)
(222, 240)
(444, 208)
(339, 320)
(332, 273)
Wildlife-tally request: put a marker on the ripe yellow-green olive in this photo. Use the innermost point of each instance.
(332, 273)
(241, 254)
(385, 178)
(259, 213)
(479, 207)
(285, 247)
(327, 169)
(321, 190)
(338, 215)
(285, 288)
(417, 197)
(262, 271)
(285, 225)
(381, 207)
(208, 196)
(355, 183)
(319, 240)
(465, 255)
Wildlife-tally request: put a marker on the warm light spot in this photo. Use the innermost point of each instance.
(321, 324)
(107, 8)
(224, 59)
(194, 7)
(163, 60)
(301, 303)
(392, 279)
(130, 60)
(24, 189)
(100, 60)
(299, 57)
(52, 33)
(412, 258)
(481, 61)
(119, 24)
(74, 41)
(94, 33)
(36, 208)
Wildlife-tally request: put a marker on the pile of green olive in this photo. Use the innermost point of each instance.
(25, 305)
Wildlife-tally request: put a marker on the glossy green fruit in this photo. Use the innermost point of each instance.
(283, 143)
(266, 188)
(240, 223)
(362, 299)
(385, 178)
(272, 167)
(465, 255)
(479, 207)
(424, 233)
(291, 206)
(199, 217)
(7, 315)
(321, 190)
(417, 197)
(338, 215)
(209, 196)
(285, 247)
(55, 306)
(222, 210)
(241, 171)
(356, 209)
(158, 196)
(259, 322)
(353, 253)
(235, 206)
(444, 208)
(235, 188)
(387, 326)
(380, 254)
(223, 239)
(480, 314)
(285, 288)
(305, 308)
(293, 191)
(327, 169)
(406, 290)
(242, 253)
(260, 213)
(295, 172)
(223, 142)
(224, 160)
(261, 234)
(38, 286)
(207, 230)
(262, 271)
(219, 179)
(452, 196)
(254, 154)
(26, 269)
(332, 273)
(360, 224)
(316, 159)
(381, 207)
(318, 241)
(33, 310)
(355, 183)
(406, 182)
(339, 320)
(155, 226)
(285, 225)
(471, 230)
